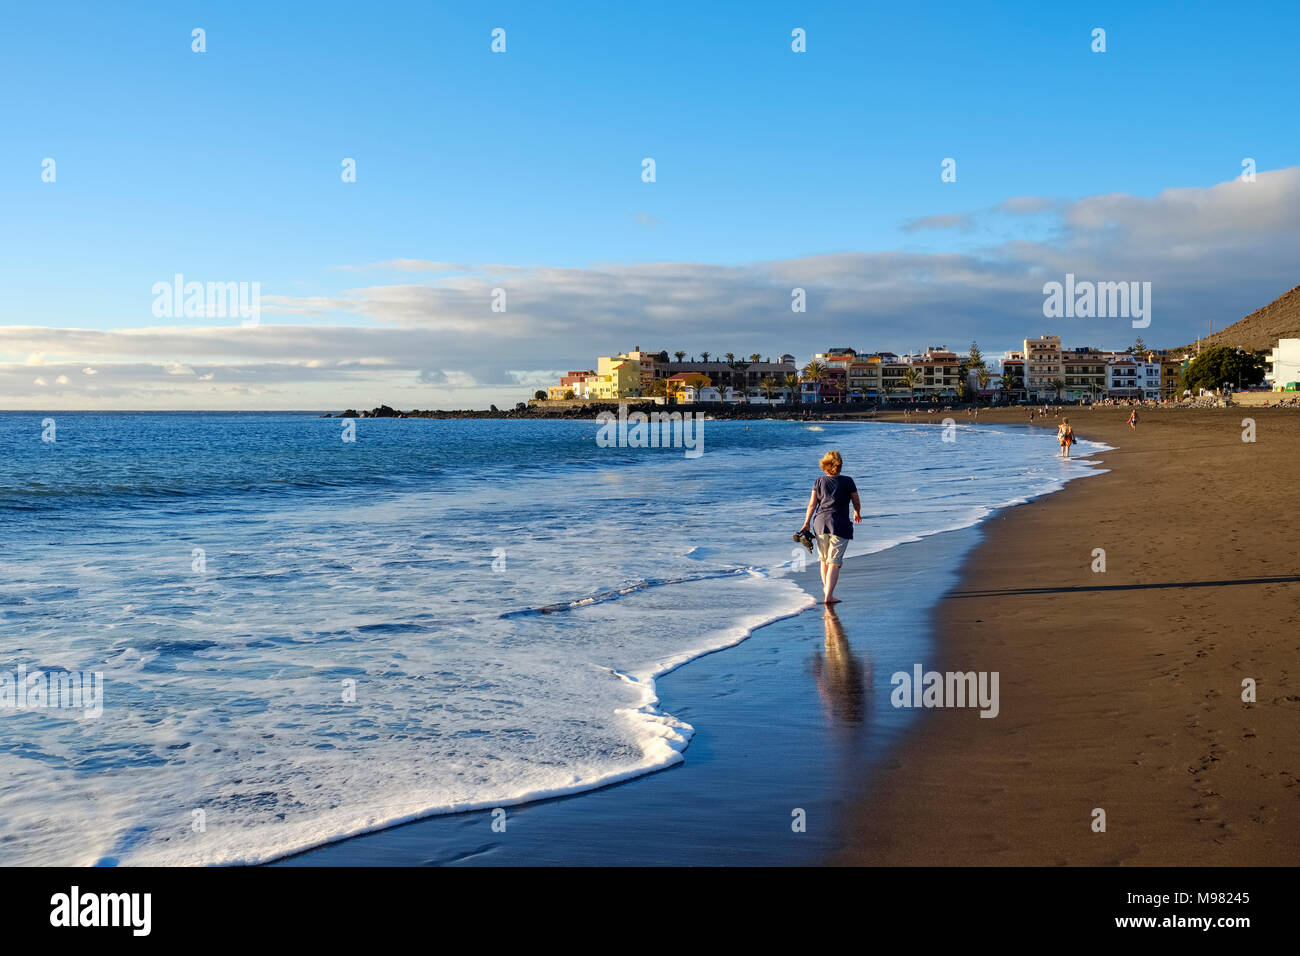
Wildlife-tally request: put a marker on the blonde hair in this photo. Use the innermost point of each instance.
(831, 463)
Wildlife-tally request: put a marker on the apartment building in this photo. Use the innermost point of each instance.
(741, 375)
(1013, 373)
(1084, 372)
(616, 377)
(1130, 376)
(648, 362)
(1043, 365)
(1283, 365)
(865, 377)
(892, 369)
(940, 370)
(1171, 371)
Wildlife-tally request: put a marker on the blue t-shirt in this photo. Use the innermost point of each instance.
(834, 495)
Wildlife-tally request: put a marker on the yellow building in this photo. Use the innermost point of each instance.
(646, 361)
(615, 378)
(685, 386)
(865, 376)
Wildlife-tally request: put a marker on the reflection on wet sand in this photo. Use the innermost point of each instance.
(842, 679)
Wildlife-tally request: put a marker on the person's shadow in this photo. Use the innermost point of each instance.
(842, 679)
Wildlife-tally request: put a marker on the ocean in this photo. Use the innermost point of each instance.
(303, 638)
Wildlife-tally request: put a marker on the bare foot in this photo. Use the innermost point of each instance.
(831, 601)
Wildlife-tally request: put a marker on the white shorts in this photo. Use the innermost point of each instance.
(830, 548)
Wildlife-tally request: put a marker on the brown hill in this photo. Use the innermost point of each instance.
(1260, 330)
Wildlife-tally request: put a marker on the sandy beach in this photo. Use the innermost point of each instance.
(1120, 690)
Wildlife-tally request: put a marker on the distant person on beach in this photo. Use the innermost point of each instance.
(1133, 420)
(1065, 436)
(828, 514)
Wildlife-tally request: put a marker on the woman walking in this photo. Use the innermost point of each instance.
(1065, 437)
(828, 514)
(1133, 420)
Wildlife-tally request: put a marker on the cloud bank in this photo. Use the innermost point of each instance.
(1210, 253)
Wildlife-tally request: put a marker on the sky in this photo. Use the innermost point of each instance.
(523, 171)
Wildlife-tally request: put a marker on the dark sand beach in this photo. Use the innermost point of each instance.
(1120, 690)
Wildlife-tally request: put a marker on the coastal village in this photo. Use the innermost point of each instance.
(1041, 370)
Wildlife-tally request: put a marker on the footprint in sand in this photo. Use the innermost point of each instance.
(1264, 815)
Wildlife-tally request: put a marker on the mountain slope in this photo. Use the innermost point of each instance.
(1260, 330)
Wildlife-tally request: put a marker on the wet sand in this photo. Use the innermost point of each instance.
(1121, 689)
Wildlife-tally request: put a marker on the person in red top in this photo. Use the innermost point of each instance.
(828, 514)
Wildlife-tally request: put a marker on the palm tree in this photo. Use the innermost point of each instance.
(1059, 386)
(704, 356)
(730, 357)
(791, 382)
(982, 377)
(912, 378)
(815, 372)
(768, 387)
(753, 356)
(680, 355)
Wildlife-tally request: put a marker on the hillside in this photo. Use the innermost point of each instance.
(1260, 330)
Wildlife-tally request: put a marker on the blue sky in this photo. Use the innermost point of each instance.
(225, 166)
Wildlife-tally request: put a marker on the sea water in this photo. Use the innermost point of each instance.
(302, 638)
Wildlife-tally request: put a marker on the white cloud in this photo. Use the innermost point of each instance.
(451, 378)
(1216, 252)
(535, 378)
(950, 221)
(408, 265)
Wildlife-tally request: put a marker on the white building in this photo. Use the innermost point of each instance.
(1284, 364)
(1129, 376)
